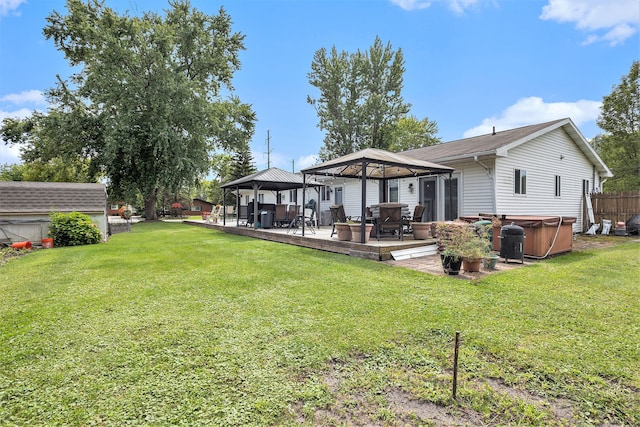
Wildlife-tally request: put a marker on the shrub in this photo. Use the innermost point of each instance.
(73, 229)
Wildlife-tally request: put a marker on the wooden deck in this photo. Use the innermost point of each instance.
(322, 240)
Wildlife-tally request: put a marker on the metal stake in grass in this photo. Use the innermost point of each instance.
(455, 365)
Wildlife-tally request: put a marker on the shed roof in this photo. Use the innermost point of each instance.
(47, 197)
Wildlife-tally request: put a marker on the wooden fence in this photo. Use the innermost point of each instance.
(613, 206)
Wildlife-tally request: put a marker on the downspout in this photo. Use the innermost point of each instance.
(493, 184)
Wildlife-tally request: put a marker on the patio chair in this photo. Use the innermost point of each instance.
(292, 216)
(249, 215)
(390, 220)
(308, 218)
(337, 215)
(213, 216)
(280, 216)
(417, 217)
(243, 214)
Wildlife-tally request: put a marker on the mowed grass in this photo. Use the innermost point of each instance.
(175, 324)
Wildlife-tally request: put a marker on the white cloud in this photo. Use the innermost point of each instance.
(26, 97)
(611, 21)
(412, 4)
(7, 6)
(532, 110)
(11, 154)
(458, 6)
(306, 161)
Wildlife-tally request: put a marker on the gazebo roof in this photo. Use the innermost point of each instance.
(270, 179)
(380, 164)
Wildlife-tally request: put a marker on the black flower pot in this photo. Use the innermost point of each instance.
(451, 264)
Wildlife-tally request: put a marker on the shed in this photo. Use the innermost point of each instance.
(25, 207)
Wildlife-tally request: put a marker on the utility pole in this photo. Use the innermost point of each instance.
(268, 150)
(293, 165)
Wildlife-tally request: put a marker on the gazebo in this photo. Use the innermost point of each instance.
(273, 179)
(373, 163)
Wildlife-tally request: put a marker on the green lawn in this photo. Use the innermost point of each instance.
(175, 324)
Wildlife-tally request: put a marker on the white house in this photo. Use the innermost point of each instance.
(542, 169)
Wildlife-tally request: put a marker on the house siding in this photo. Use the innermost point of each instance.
(352, 196)
(541, 159)
(476, 189)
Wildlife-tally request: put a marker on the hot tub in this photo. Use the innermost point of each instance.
(539, 231)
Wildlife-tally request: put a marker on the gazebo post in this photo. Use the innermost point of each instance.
(363, 217)
(304, 191)
(224, 206)
(238, 206)
(255, 206)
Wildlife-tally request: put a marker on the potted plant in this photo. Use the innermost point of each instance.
(343, 230)
(451, 237)
(476, 246)
(421, 230)
(356, 231)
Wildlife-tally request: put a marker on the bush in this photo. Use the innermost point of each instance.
(73, 229)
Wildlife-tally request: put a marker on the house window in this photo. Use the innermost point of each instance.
(293, 196)
(246, 199)
(557, 185)
(260, 198)
(520, 181)
(325, 193)
(585, 186)
(393, 190)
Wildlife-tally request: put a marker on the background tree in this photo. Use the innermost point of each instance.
(152, 87)
(242, 163)
(620, 146)
(360, 97)
(410, 133)
(47, 152)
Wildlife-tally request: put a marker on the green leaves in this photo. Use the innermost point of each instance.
(620, 117)
(73, 229)
(360, 97)
(151, 86)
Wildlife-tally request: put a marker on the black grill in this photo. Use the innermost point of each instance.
(512, 243)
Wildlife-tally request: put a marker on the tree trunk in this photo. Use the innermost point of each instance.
(150, 208)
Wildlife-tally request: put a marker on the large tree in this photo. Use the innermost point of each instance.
(620, 146)
(152, 87)
(360, 97)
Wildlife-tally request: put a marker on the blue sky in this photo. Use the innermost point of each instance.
(470, 64)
